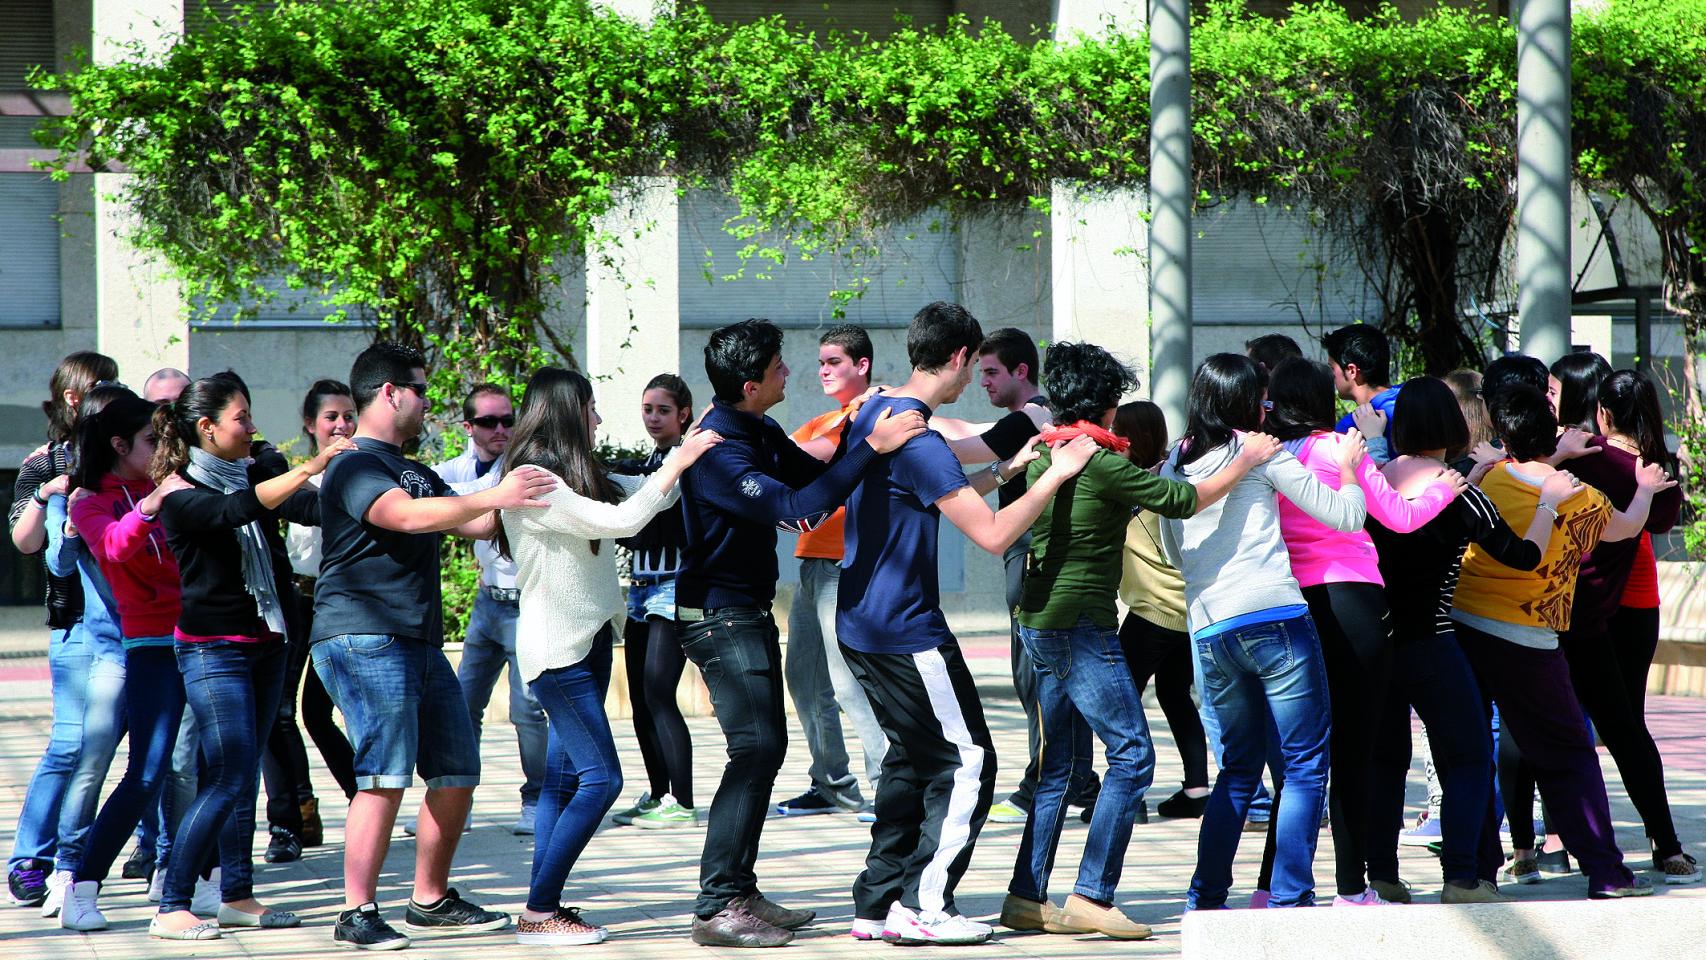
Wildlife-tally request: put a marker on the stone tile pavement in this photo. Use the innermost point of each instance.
(641, 884)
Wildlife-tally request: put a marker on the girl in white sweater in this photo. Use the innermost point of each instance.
(571, 607)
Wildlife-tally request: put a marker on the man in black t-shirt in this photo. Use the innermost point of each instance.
(378, 627)
(1009, 370)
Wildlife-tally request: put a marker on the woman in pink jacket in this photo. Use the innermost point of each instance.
(115, 508)
(1340, 576)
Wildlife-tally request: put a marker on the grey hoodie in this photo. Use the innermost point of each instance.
(1231, 553)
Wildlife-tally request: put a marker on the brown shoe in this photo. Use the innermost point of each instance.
(1482, 892)
(1079, 915)
(313, 831)
(775, 914)
(736, 926)
(1018, 913)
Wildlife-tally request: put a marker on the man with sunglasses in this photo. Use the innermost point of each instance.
(487, 417)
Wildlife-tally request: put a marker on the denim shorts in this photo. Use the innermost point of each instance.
(404, 709)
(652, 597)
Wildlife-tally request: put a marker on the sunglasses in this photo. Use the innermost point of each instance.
(490, 422)
(418, 387)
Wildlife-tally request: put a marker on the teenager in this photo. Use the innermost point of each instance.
(1067, 623)
(1152, 636)
(818, 678)
(115, 507)
(1509, 621)
(1339, 574)
(1430, 671)
(1360, 357)
(229, 635)
(939, 772)
(571, 602)
(735, 498)
(1271, 349)
(488, 416)
(378, 629)
(1009, 369)
(1258, 653)
(650, 650)
(34, 842)
(1573, 389)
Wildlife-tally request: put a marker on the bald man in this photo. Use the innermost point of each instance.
(164, 385)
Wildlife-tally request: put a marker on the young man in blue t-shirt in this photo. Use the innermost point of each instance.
(1361, 358)
(733, 499)
(939, 775)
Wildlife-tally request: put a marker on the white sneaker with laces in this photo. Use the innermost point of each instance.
(156, 885)
(206, 900)
(57, 885)
(79, 911)
(936, 927)
(523, 825)
(1367, 898)
(863, 929)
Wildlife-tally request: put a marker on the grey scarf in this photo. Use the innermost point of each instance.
(229, 476)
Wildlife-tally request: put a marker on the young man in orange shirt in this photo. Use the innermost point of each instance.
(818, 678)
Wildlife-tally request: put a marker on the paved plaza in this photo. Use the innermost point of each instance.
(641, 884)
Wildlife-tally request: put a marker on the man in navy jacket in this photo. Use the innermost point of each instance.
(734, 498)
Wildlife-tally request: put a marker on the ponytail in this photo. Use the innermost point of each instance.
(171, 448)
(1631, 403)
(174, 423)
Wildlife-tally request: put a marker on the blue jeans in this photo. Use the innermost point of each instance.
(1265, 678)
(1262, 805)
(37, 837)
(234, 688)
(583, 777)
(103, 727)
(489, 645)
(404, 711)
(153, 707)
(1081, 672)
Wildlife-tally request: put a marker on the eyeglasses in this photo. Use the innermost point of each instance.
(489, 422)
(419, 388)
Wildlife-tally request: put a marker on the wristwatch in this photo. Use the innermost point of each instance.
(995, 471)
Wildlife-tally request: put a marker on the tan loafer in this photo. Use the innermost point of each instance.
(1017, 913)
(1079, 915)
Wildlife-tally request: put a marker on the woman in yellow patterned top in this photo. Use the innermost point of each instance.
(1508, 622)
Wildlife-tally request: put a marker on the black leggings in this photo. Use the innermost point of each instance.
(654, 662)
(1155, 651)
(1611, 681)
(1356, 643)
(285, 762)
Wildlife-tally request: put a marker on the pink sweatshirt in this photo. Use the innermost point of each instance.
(133, 555)
(1320, 554)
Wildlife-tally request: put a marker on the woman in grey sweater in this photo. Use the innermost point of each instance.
(1257, 648)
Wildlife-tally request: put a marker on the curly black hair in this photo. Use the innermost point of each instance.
(1083, 381)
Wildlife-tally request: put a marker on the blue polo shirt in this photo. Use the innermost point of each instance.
(889, 600)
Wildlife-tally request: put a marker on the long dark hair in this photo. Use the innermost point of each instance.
(552, 433)
(124, 415)
(316, 398)
(1226, 395)
(78, 373)
(1145, 425)
(1301, 392)
(1631, 403)
(1579, 376)
(174, 423)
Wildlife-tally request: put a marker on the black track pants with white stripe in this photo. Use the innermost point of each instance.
(938, 778)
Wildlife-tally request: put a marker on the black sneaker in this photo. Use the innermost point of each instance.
(140, 863)
(28, 882)
(452, 915)
(1554, 863)
(283, 847)
(1183, 806)
(806, 804)
(364, 929)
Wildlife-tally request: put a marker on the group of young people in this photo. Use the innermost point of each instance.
(1476, 548)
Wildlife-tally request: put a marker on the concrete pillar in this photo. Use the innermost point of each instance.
(1170, 207)
(1099, 244)
(140, 319)
(633, 290)
(1543, 177)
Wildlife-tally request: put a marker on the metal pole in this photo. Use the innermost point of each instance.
(1170, 207)
(1543, 177)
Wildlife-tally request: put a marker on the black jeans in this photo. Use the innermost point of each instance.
(1083, 786)
(1155, 651)
(737, 650)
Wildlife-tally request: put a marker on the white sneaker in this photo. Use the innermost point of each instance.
(156, 885)
(57, 884)
(936, 927)
(206, 901)
(79, 911)
(1367, 898)
(523, 826)
(863, 929)
(467, 825)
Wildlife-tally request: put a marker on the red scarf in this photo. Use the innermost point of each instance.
(1085, 428)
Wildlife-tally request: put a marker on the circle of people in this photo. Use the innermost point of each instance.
(1475, 547)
